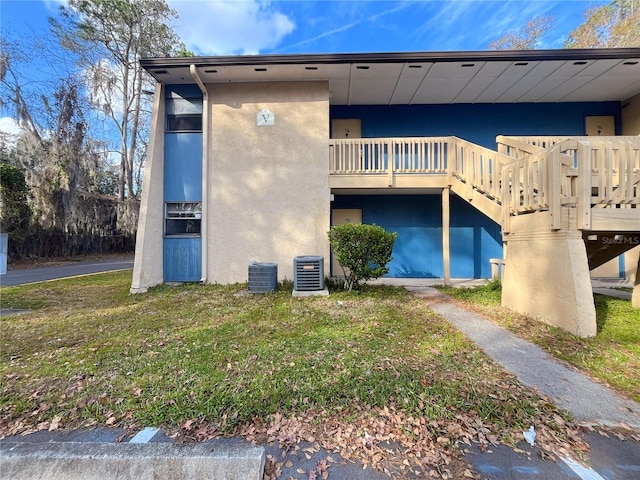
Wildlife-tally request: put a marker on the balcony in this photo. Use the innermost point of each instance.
(389, 162)
(596, 178)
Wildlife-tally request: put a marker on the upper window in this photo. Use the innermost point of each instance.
(184, 111)
(184, 123)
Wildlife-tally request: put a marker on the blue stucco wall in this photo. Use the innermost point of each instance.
(477, 123)
(182, 167)
(183, 182)
(181, 262)
(474, 238)
(418, 219)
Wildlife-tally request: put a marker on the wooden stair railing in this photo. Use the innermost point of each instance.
(586, 173)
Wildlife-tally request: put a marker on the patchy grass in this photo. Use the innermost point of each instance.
(613, 356)
(204, 360)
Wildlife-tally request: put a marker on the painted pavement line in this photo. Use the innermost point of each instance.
(143, 436)
(585, 473)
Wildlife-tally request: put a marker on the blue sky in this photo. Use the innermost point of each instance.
(233, 27)
(304, 26)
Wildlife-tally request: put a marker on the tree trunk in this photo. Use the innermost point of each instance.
(134, 129)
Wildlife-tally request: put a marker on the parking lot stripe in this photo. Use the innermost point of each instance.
(585, 473)
(143, 436)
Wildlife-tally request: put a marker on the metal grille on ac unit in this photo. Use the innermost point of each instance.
(263, 277)
(308, 272)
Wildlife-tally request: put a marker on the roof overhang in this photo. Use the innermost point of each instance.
(575, 75)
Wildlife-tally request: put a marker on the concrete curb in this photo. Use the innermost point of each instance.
(148, 461)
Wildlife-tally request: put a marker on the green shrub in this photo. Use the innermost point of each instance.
(362, 250)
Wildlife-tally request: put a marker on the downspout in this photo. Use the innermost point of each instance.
(204, 231)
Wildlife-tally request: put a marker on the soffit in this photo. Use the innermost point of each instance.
(437, 78)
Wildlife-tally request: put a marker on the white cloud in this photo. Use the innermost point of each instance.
(10, 126)
(54, 5)
(226, 27)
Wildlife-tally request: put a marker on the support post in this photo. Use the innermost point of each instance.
(446, 215)
(548, 277)
(635, 296)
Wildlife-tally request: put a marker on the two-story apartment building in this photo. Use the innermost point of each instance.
(461, 153)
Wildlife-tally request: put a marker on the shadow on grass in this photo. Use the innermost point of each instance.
(602, 312)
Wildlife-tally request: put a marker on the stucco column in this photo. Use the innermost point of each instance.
(147, 264)
(549, 278)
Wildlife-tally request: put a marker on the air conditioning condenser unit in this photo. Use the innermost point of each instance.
(308, 273)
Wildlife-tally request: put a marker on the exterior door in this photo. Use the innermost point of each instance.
(346, 128)
(603, 126)
(341, 216)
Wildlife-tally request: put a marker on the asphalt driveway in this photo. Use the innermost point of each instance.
(42, 274)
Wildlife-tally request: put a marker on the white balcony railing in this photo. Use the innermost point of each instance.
(529, 174)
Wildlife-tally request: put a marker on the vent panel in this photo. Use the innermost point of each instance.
(263, 277)
(308, 273)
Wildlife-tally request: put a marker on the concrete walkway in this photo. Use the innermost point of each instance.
(589, 402)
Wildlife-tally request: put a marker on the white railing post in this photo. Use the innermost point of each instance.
(583, 192)
(506, 192)
(391, 160)
(554, 183)
(452, 153)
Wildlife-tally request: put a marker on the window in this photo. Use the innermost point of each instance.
(183, 218)
(184, 123)
(184, 114)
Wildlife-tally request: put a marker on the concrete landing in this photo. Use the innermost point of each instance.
(310, 293)
(147, 461)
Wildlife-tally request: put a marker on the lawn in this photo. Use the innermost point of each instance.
(374, 375)
(612, 356)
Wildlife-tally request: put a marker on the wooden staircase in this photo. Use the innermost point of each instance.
(588, 184)
(566, 205)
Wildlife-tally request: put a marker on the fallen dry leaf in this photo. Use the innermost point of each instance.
(55, 423)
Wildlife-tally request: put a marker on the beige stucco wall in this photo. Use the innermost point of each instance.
(611, 269)
(269, 197)
(631, 261)
(547, 275)
(147, 264)
(631, 116)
